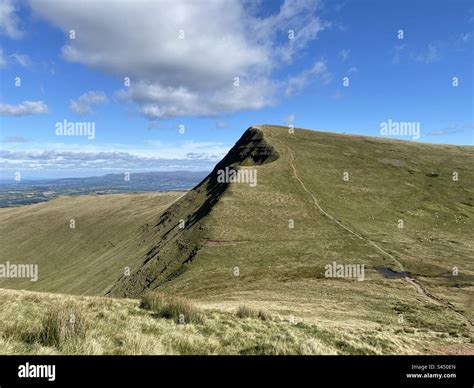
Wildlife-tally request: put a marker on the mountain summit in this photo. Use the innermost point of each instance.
(342, 230)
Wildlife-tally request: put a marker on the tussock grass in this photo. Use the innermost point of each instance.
(171, 307)
(264, 316)
(62, 324)
(249, 312)
(34, 323)
(246, 312)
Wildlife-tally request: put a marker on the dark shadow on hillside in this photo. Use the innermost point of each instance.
(177, 247)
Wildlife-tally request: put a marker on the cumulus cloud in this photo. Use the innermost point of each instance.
(182, 57)
(156, 101)
(9, 20)
(24, 109)
(85, 103)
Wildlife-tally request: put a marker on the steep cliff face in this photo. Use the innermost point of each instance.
(178, 235)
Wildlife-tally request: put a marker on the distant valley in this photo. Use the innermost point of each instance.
(35, 191)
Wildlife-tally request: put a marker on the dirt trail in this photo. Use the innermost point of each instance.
(420, 288)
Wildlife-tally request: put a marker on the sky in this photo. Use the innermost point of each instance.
(172, 85)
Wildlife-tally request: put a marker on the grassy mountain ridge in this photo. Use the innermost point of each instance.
(320, 198)
(181, 242)
(388, 181)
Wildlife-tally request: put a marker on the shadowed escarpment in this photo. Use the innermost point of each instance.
(179, 233)
(227, 247)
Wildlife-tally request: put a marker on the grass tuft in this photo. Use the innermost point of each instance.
(171, 307)
(62, 324)
(248, 312)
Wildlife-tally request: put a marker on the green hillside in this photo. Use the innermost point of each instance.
(346, 198)
(87, 259)
(236, 225)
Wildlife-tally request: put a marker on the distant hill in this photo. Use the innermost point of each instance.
(403, 210)
(29, 192)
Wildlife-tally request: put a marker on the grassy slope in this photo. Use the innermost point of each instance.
(110, 229)
(282, 269)
(119, 326)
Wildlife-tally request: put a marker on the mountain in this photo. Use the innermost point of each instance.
(397, 214)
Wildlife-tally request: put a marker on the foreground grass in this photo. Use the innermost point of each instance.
(178, 309)
(40, 323)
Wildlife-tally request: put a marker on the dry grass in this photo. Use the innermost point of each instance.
(36, 323)
(62, 324)
(248, 312)
(178, 309)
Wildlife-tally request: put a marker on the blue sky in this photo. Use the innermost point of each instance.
(182, 60)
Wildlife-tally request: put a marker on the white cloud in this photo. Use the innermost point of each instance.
(24, 109)
(173, 77)
(344, 54)
(9, 21)
(429, 55)
(156, 101)
(85, 103)
(15, 58)
(22, 59)
(297, 83)
(153, 156)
